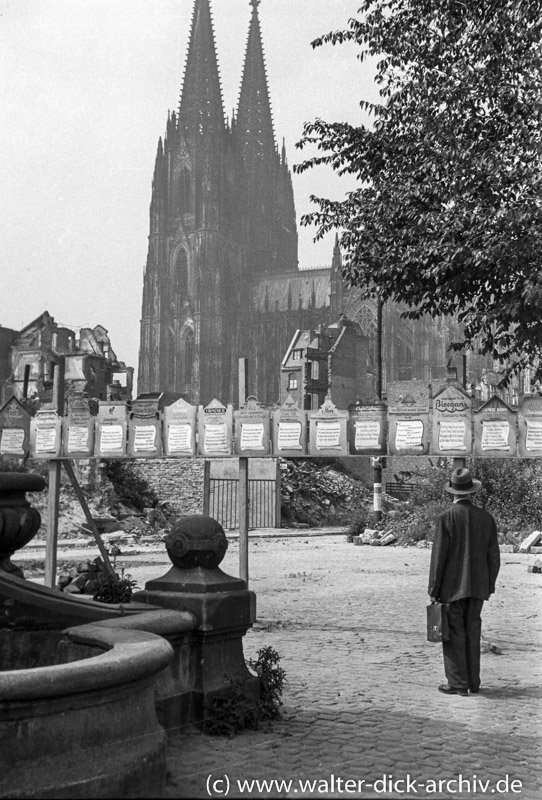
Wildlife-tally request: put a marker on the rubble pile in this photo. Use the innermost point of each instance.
(104, 504)
(316, 495)
(82, 579)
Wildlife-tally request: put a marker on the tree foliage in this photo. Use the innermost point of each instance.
(447, 214)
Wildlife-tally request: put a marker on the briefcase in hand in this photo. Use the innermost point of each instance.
(437, 623)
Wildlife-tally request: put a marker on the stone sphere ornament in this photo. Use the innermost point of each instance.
(196, 541)
(19, 522)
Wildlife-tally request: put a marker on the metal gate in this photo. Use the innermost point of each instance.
(223, 502)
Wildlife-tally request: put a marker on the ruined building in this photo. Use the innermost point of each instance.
(221, 279)
(28, 358)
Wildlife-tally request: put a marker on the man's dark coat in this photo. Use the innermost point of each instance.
(465, 558)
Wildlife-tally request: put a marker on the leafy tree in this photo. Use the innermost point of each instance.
(447, 214)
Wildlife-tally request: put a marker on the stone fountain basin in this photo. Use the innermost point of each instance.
(77, 713)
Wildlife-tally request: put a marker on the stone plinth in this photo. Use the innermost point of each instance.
(221, 605)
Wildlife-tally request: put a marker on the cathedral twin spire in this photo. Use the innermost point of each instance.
(254, 119)
(201, 109)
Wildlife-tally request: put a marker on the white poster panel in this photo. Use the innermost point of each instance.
(144, 438)
(77, 438)
(12, 441)
(46, 439)
(328, 434)
(534, 435)
(495, 434)
(111, 438)
(367, 433)
(452, 434)
(180, 438)
(409, 434)
(215, 439)
(289, 436)
(252, 436)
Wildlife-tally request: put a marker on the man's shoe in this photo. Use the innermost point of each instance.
(474, 691)
(445, 688)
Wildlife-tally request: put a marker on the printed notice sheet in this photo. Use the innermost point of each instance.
(111, 438)
(495, 434)
(179, 438)
(12, 441)
(77, 438)
(367, 433)
(452, 434)
(533, 440)
(409, 434)
(215, 438)
(328, 434)
(144, 438)
(252, 436)
(289, 436)
(46, 439)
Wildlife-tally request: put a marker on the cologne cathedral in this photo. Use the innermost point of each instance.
(221, 279)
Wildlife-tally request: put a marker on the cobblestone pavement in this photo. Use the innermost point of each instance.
(362, 716)
(361, 701)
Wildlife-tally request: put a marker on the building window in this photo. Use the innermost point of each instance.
(189, 357)
(314, 370)
(171, 363)
(181, 275)
(292, 382)
(297, 355)
(185, 193)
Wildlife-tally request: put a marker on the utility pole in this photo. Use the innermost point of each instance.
(377, 462)
(243, 482)
(54, 485)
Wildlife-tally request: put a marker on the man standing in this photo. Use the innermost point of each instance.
(465, 562)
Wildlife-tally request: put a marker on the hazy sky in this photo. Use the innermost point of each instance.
(85, 88)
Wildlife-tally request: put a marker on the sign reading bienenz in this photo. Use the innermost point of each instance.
(252, 435)
(289, 429)
(327, 430)
(14, 429)
(452, 435)
(111, 429)
(495, 426)
(215, 425)
(408, 425)
(78, 429)
(530, 427)
(180, 429)
(367, 430)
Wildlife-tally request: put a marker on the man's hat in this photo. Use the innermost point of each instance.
(462, 482)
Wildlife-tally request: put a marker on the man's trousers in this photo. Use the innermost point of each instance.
(462, 651)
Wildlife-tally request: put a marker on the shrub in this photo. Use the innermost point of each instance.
(237, 711)
(361, 520)
(511, 491)
(114, 588)
(129, 486)
(272, 678)
(413, 523)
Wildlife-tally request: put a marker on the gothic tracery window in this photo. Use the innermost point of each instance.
(181, 275)
(188, 353)
(185, 191)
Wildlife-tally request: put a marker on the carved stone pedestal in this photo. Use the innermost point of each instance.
(19, 522)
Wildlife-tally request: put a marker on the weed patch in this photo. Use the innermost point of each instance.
(237, 711)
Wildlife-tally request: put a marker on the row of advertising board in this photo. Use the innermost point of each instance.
(451, 427)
